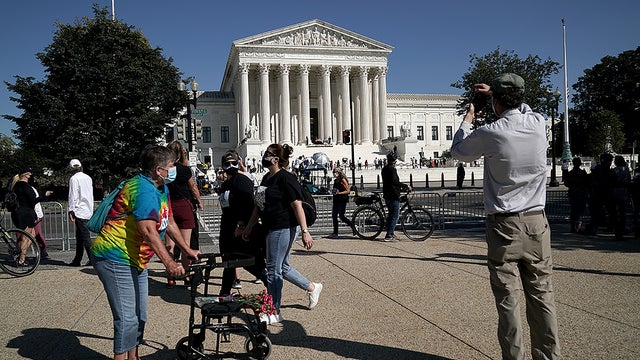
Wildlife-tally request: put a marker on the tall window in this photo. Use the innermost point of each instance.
(206, 134)
(420, 132)
(224, 134)
(434, 133)
(390, 132)
(449, 132)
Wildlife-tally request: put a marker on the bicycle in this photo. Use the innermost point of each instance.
(369, 217)
(10, 252)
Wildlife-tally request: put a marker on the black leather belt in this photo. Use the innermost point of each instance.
(519, 214)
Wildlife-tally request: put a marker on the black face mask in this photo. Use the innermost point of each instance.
(266, 162)
(231, 171)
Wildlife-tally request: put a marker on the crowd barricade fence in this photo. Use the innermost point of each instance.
(55, 225)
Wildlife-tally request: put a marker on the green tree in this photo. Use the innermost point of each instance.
(107, 94)
(532, 69)
(606, 133)
(613, 84)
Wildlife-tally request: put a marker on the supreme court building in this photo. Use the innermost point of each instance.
(306, 84)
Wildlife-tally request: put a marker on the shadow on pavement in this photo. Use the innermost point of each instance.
(294, 335)
(54, 344)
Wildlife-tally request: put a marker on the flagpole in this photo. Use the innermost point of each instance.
(113, 9)
(566, 148)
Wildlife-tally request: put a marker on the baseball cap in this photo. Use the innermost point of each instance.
(391, 157)
(24, 170)
(75, 163)
(507, 82)
(229, 156)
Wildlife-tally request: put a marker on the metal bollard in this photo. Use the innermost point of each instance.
(361, 182)
(378, 181)
(473, 181)
(442, 180)
(426, 181)
(411, 180)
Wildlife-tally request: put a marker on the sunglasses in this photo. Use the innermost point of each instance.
(269, 153)
(230, 163)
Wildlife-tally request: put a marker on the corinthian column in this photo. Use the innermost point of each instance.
(382, 102)
(244, 91)
(303, 84)
(365, 108)
(345, 100)
(265, 111)
(325, 119)
(285, 105)
(375, 108)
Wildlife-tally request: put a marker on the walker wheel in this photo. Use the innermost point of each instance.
(184, 352)
(262, 348)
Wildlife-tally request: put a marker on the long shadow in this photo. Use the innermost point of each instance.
(54, 344)
(294, 335)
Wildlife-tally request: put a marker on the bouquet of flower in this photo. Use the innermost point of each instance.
(261, 303)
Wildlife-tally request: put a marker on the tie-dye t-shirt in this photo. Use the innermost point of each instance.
(119, 240)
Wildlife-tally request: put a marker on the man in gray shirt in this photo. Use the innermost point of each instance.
(517, 231)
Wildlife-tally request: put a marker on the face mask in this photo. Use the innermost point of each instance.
(232, 169)
(266, 162)
(171, 175)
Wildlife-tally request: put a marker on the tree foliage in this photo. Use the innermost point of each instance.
(532, 69)
(106, 95)
(613, 85)
(606, 133)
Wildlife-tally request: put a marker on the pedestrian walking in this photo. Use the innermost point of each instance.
(517, 231)
(80, 209)
(340, 193)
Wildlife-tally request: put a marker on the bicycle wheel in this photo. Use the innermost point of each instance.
(417, 224)
(367, 222)
(10, 253)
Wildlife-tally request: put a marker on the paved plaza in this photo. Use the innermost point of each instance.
(405, 300)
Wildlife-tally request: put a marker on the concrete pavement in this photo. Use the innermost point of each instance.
(405, 300)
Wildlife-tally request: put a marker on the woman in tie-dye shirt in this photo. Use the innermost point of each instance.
(133, 233)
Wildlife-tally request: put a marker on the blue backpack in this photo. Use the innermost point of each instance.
(99, 216)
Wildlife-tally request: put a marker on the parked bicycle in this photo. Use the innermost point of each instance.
(369, 217)
(10, 251)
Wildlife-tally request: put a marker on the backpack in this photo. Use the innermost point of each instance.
(309, 206)
(11, 201)
(99, 216)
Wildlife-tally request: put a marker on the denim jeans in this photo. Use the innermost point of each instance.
(279, 244)
(394, 214)
(127, 290)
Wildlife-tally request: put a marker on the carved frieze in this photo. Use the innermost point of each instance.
(314, 36)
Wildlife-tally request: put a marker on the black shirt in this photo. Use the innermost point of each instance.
(391, 185)
(280, 190)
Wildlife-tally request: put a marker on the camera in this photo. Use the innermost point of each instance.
(479, 101)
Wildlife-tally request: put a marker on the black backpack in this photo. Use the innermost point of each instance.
(309, 206)
(11, 201)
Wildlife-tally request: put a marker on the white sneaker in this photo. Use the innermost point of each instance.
(271, 319)
(314, 295)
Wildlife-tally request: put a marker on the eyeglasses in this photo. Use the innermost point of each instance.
(269, 153)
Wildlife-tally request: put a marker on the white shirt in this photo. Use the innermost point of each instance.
(81, 195)
(515, 154)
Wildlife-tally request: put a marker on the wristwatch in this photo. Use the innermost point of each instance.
(305, 231)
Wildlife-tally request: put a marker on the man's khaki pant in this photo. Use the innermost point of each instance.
(519, 253)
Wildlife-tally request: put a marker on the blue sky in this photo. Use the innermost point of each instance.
(432, 40)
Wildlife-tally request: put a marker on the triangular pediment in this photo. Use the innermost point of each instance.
(313, 33)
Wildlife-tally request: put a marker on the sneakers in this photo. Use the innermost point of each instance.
(332, 236)
(237, 285)
(271, 319)
(390, 239)
(314, 295)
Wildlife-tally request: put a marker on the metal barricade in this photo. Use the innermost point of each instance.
(462, 209)
(55, 225)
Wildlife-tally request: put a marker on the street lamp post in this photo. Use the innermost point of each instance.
(554, 108)
(193, 100)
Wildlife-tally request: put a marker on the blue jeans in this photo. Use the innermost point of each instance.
(279, 244)
(394, 214)
(127, 290)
